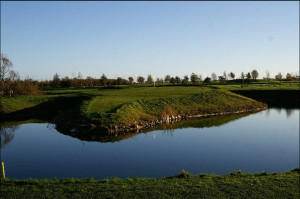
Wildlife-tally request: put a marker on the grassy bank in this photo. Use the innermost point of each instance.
(233, 185)
(110, 106)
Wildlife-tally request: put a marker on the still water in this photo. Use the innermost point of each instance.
(263, 141)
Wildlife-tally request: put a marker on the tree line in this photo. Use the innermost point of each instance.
(11, 82)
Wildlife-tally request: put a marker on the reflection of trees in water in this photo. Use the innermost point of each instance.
(51, 126)
(289, 112)
(7, 134)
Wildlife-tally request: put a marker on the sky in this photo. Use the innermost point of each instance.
(150, 38)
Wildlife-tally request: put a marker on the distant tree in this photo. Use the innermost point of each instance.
(207, 80)
(222, 79)
(5, 67)
(290, 77)
(278, 76)
(149, 79)
(172, 80)
(55, 81)
(248, 76)
(224, 75)
(167, 78)
(254, 74)
(79, 75)
(178, 80)
(268, 75)
(242, 76)
(90, 81)
(103, 80)
(140, 79)
(80, 80)
(14, 76)
(232, 75)
(200, 77)
(185, 80)
(213, 76)
(194, 78)
(65, 82)
(119, 81)
(130, 79)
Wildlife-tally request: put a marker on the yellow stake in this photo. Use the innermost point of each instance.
(3, 172)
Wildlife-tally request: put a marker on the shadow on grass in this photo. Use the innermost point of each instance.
(49, 109)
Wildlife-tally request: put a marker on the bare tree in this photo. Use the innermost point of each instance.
(268, 75)
(214, 76)
(5, 67)
(242, 76)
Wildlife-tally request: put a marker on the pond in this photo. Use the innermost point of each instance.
(264, 141)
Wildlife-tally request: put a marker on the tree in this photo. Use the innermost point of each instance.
(149, 79)
(278, 76)
(213, 76)
(242, 76)
(185, 80)
(140, 79)
(254, 74)
(119, 81)
(65, 82)
(207, 80)
(55, 81)
(194, 78)
(289, 77)
(268, 75)
(178, 80)
(248, 76)
(224, 75)
(172, 80)
(103, 80)
(130, 79)
(167, 78)
(5, 66)
(232, 75)
(14, 76)
(222, 79)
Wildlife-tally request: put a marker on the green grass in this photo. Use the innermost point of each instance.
(233, 185)
(113, 105)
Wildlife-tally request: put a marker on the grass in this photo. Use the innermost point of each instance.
(104, 105)
(233, 185)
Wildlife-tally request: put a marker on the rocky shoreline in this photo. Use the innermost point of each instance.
(139, 125)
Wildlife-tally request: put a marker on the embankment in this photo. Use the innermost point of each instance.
(147, 113)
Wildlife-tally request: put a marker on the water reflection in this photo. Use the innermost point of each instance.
(167, 128)
(7, 134)
(211, 145)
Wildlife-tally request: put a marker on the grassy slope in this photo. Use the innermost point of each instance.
(128, 105)
(125, 104)
(233, 185)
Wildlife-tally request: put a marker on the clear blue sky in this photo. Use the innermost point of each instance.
(141, 38)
